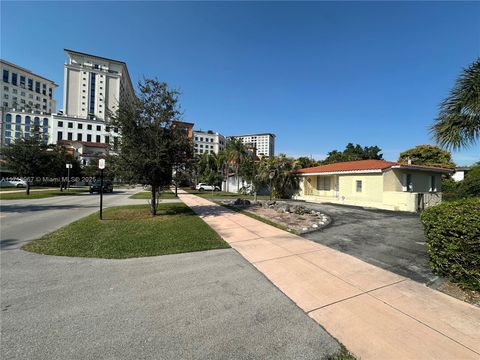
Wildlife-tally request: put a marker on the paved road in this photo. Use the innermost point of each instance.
(391, 240)
(204, 305)
(25, 220)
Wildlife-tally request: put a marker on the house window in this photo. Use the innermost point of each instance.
(22, 81)
(89, 127)
(433, 184)
(30, 84)
(97, 139)
(59, 135)
(89, 137)
(70, 125)
(5, 76)
(60, 124)
(107, 139)
(79, 137)
(358, 184)
(323, 183)
(408, 186)
(80, 126)
(99, 128)
(69, 136)
(14, 79)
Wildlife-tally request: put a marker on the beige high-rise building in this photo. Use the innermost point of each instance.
(94, 85)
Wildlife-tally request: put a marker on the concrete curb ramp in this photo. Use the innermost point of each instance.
(375, 313)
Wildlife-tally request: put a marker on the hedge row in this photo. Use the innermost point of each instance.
(453, 240)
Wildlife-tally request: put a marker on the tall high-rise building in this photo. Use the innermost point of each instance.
(27, 100)
(264, 144)
(94, 85)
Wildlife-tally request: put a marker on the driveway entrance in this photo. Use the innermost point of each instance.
(391, 240)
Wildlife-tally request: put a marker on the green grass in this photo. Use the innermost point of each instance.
(256, 217)
(148, 194)
(223, 195)
(130, 231)
(343, 354)
(41, 194)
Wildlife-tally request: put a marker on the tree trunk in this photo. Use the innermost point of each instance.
(153, 201)
(28, 188)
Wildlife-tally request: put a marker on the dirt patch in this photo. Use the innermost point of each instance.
(452, 289)
(297, 218)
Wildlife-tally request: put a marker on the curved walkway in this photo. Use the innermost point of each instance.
(374, 312)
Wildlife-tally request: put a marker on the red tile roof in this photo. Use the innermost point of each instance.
(366, 165)
(84, 143)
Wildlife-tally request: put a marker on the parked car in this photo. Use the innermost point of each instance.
(13, 182)
(203, 187)
(107, 186)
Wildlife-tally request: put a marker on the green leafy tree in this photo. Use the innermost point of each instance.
(470, 186)
(353, 153)
(29, 159)
(427, 155)
(306, 162)
(150, 145)
(458, 122)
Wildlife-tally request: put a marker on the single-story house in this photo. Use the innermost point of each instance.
(85, 151)
(373, 183)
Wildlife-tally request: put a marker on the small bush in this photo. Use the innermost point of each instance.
(453, 240)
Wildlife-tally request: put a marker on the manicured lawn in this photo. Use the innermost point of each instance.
(223, 195)
(148, 194)
(41, 194)
(130, 231)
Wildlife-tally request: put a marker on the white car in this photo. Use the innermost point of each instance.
(13, 182)
(203, 187)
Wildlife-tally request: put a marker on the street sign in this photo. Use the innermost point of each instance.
(68, 166)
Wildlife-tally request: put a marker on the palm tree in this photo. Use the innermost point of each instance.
(458, 123)
(236, 154)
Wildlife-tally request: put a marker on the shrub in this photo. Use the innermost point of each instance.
(453, 240)
(470, 186)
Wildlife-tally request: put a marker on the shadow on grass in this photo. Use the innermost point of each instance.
(142, 212)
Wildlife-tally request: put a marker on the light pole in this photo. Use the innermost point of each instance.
(101, 166)
(69, 166)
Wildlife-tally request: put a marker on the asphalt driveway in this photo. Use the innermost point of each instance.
(391, 240)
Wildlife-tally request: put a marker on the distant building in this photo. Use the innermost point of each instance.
(185, 126)
(208, 142)
(85, 151)
(460, 173)
(93, 87)
(27, 102)
(263, 143)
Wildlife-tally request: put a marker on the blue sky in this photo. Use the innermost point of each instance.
(317, 74)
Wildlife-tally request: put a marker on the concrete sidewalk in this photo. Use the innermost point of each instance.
(373, 312)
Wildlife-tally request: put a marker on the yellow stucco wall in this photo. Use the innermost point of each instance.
(372, 188)
(379, 190)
